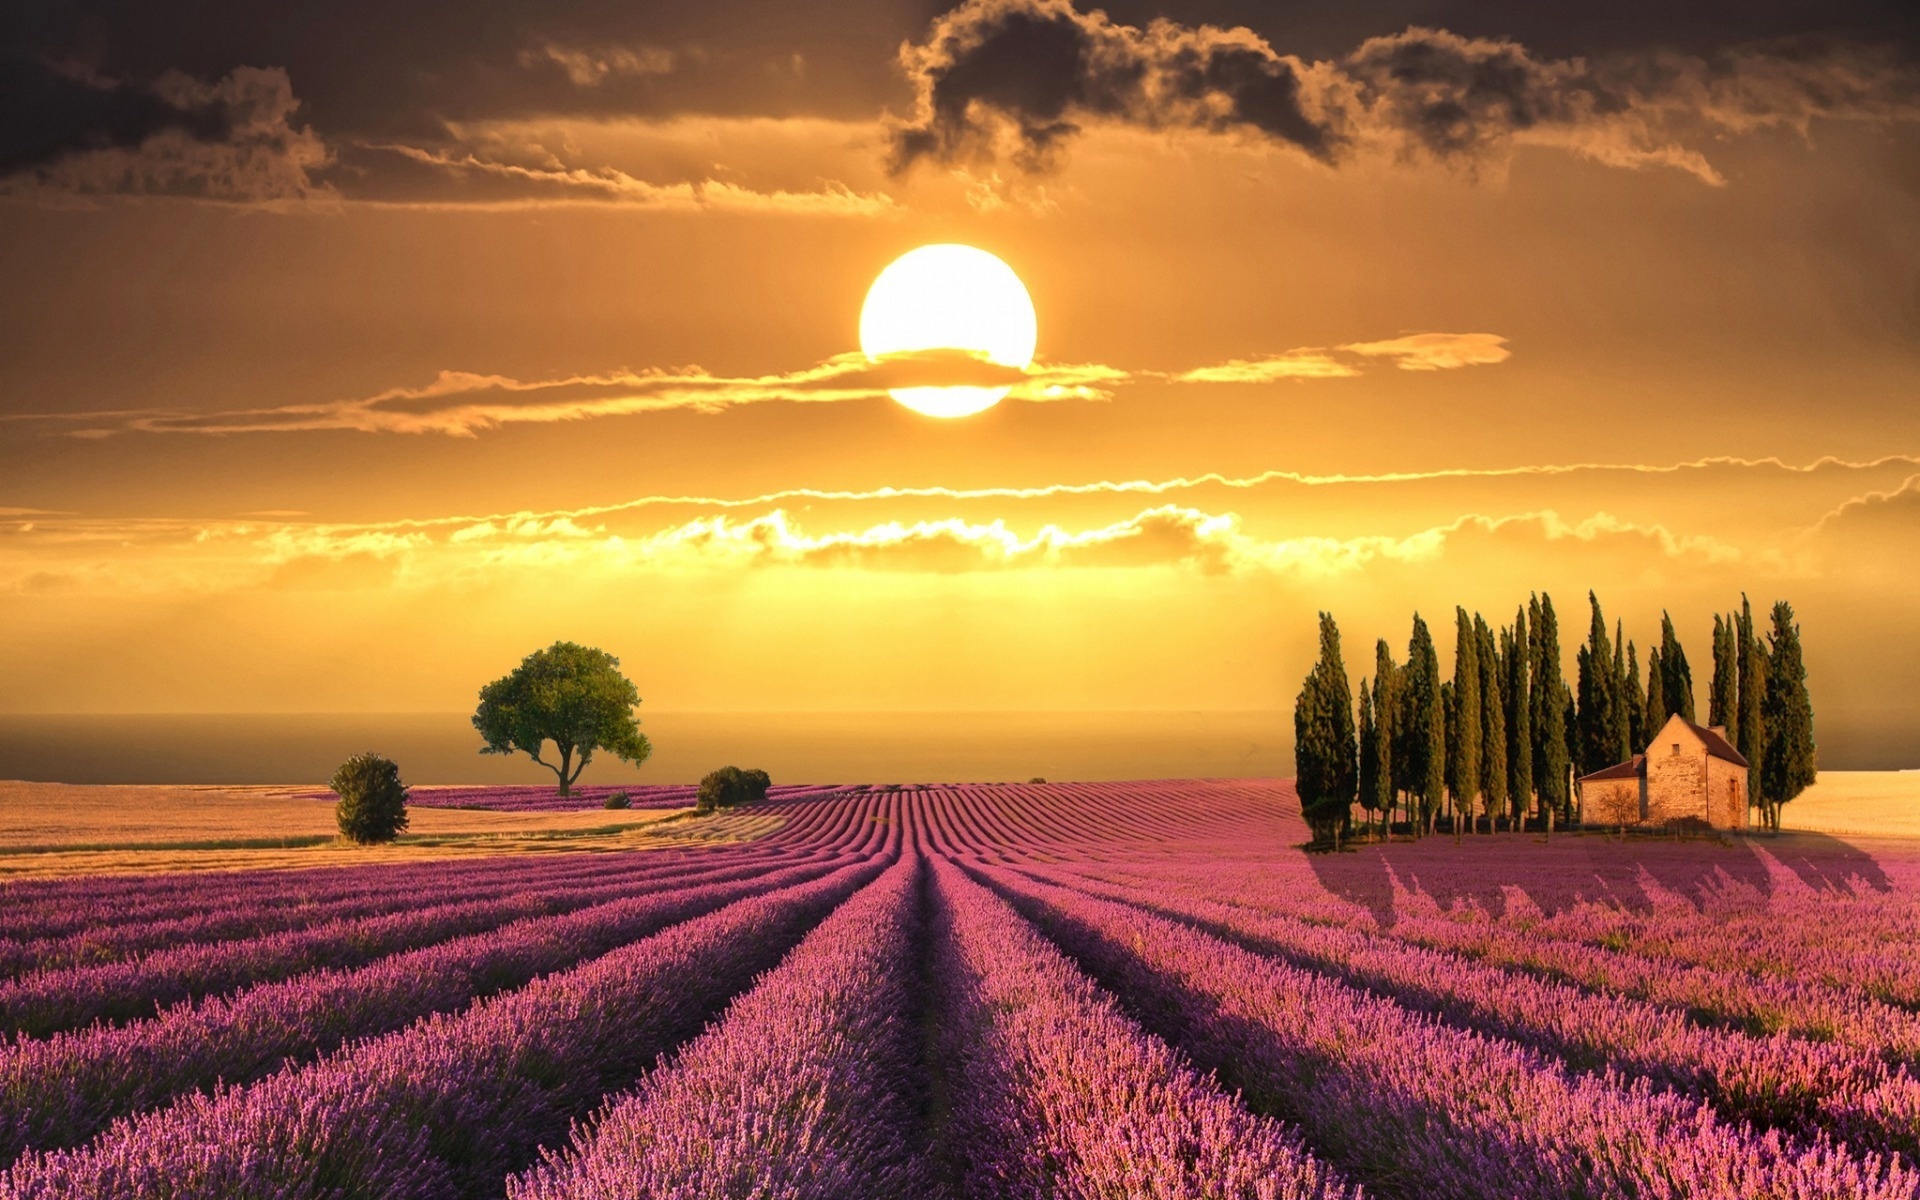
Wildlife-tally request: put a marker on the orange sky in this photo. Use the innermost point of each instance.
(349, 403)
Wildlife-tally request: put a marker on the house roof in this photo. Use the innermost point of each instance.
(1629, 769)
(1717, 746)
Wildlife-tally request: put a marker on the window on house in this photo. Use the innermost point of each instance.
(1676, 747)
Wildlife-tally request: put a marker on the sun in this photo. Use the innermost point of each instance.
(950, 297)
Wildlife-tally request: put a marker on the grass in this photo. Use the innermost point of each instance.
(64, 829)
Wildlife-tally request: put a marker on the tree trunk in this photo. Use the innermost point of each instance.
(566, 764)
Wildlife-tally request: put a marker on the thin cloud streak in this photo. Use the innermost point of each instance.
(465, 403)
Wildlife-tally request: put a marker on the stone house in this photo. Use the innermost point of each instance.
(1687, 770)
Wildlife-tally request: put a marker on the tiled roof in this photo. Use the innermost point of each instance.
(1629, 769)
(1717, 746)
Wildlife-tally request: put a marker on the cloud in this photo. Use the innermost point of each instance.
(1273, 368)
(591, 68)
(555, 185)
(1164, 536)
(1413, 352)
(1016, 80)
(75, 134)
(1437, 351)
(1884, 524)
(464, 403)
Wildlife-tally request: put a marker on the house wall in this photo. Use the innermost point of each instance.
(1676, 775)
(1610, 802)
(1726, 795)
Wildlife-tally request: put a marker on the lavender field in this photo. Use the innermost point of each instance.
(1071, 990)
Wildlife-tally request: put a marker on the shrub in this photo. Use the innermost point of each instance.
(373, 801)
(1038, 779)
(619, 800)
(729, 786)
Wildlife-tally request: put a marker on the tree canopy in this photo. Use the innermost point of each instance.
(1325, 752)
(730, 786)
(571, 695)
(373, 801)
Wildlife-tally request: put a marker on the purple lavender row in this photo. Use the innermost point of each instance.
(1758, 1003)
(113, 938)
(1870, 943)
(46, 1002)
(84, 902)
(450, 1107)
(63, 1090)
(1056, 1093)
(1418, 1108)
(1766, 1004)
(803, 1092)
(1791, 1083)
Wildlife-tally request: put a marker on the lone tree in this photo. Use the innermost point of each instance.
(1788, 763)
(729, 786)
(1325, 753)
(373, 801)
(571, 695)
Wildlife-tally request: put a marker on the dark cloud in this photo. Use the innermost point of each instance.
(71, 132)
(1015, 79)
(46, 114)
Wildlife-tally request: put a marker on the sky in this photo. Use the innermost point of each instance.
(348, 353)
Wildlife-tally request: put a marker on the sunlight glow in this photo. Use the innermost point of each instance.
(950, 297)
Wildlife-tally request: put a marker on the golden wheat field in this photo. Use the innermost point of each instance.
(68, 829)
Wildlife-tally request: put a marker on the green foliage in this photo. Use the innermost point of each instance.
(1386, 682)
(1723, 697)
(1493, 722)
(571, 695)
(1324, 750)
(1514, 656)
(731, 786)
(1676, 678)
(1638, 734)
(1751, 739)
(1463, 725)
(1420, 726)
(1038, 779)
(1551, 700)
(1599, 705)
(1791, 764)
(619, 800)
(373, 801)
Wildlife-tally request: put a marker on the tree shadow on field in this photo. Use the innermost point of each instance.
(1625, 872)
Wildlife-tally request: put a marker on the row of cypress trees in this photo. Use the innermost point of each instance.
(1504, 737)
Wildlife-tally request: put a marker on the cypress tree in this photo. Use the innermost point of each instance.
(1385, 707)
(1463, 753)
(1594, 739)
(1623, 698)
(1752, 739)
(1424, 724)
(1552, 700)
(1678, 682)
(1723, 704)
(1493, 723)
(1791, 761)
(1370, 760)
(1636, 703)
(1519, 718)
(1657, 708)
(1324, 749)
(1449, 721)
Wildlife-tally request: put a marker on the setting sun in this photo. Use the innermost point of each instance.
(949, 297)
